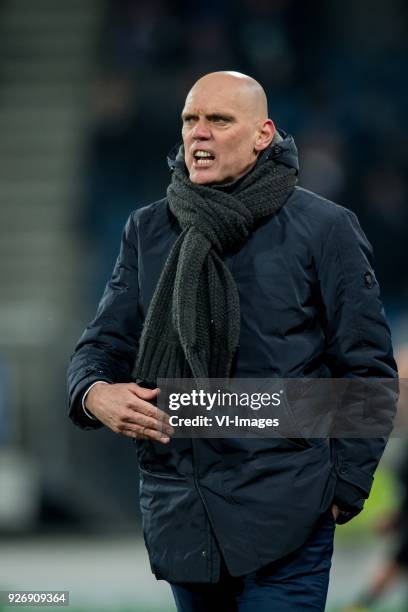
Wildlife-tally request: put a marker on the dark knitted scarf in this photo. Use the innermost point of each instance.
(192, 327)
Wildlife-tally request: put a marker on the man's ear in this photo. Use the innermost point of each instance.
(265, 135)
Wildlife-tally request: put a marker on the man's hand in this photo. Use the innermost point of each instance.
(125, 408)
(335, 510)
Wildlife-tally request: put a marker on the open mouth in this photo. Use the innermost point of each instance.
(203, 158)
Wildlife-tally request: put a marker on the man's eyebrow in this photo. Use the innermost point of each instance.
(188, 116)
(210, 116)
(224, 116)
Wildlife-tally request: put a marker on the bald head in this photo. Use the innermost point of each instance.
(243, 89)
(225, 127)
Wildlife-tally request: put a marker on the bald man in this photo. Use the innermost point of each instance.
(237, 273)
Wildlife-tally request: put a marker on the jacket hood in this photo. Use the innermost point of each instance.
(282, 150)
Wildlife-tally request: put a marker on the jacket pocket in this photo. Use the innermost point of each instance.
(302, 443)
(160, 475)
(174, 525)
(296, 438)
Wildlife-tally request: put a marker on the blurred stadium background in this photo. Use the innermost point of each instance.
(90, 96)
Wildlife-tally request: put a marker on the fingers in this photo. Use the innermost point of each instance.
(144, 433)
(335, 510)
(125, 408)
(137, 404)
(140, 419)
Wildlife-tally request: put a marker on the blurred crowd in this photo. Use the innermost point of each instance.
(332, 73)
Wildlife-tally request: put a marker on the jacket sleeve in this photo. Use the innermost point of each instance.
(108, 347)
(358, 344)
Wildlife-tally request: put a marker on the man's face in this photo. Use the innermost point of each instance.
(219, 134)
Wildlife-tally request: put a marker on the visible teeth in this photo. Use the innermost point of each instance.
(202, 154)
(204, 162)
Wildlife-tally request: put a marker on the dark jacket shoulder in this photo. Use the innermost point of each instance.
(155, 213)
(322, 211)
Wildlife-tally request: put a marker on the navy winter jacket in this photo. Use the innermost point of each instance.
(307, 311)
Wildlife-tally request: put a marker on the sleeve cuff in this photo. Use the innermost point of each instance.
(88, 414)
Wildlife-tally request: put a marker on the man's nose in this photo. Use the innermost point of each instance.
(201, 131)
